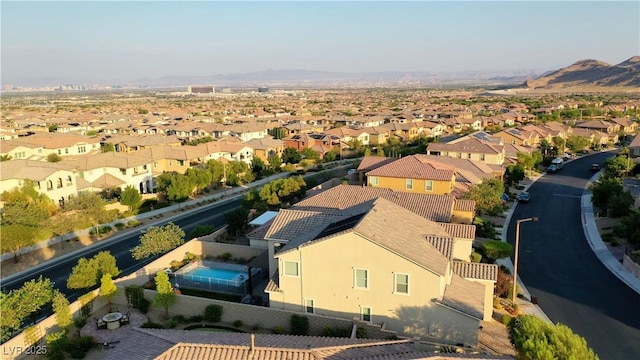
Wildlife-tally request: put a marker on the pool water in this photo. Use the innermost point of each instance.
(212, 273)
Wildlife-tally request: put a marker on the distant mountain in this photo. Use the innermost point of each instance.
(591, 73)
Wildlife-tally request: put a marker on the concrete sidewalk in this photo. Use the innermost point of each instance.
(595, 242)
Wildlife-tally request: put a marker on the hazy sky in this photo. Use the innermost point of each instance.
(107, 42)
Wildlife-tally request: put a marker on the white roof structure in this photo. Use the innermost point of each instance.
(264, 218)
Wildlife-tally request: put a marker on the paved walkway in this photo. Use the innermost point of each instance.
(113, 337)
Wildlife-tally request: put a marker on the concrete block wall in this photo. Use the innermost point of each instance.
(630, 265)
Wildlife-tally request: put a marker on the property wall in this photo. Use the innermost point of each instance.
(462, 217)
(631, 266)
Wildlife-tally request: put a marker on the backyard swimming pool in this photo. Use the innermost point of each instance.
(214, 276)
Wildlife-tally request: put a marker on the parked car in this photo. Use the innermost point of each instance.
(595, 167)
(552, 168)
(523, 197)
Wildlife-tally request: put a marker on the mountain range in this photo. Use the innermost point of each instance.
(590, 73)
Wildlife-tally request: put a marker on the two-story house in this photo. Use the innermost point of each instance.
(401, 276)
(470, 148)
(56, 180)
(266, 147)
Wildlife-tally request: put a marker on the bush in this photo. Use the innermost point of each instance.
(80, 322)
(143, 305)
(506, 319)
(196, 318)
(120, 226)
(225, 257)
(237, 323)
(213, 313)
(361, 333)
(255, 327)
(105, 229)
(133, 223)
(332, 331)
(179, 319)
(496, 249)
(152, 325)
(172, 324)
(475, 257)
(299, 325)
(277, 330)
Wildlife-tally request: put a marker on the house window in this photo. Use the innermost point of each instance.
(408, 184)
(69, 181)
(428, 185)
(291, 268)
(373, 180)
(365, 313)
(59, 152)
(82, 149)
(401, 283)
(181, 162)
(144, 167)
(361, 278)
(309, 305)
(135, 170)
(469, 156)
(66, 151)
(481, 157)
(459, 155)
(123, 171)
(59, 183)
(49, 185)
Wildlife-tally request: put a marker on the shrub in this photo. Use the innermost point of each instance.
(213, 313)
(196, 318)
(361, 333)
(299, 325)
(80, 322)
(105, 229)
(240, 260)
(497, 249)
(237, 323)
(120, 226)
(172, 324)
(179, 319)
(225, 257)
(143, 305)
(332, 331)
(255, 327)
(133, 223)
(506, 319)
(475, 257)
(277, 330)
(152, 325)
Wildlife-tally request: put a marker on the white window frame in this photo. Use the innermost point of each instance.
(408, 184)
(428, 185)
(284, 268)
(362, 314)
(374, 181)
(396, 283)
(306, 306)
(355, 278)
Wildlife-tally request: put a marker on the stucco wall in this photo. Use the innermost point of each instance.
(439, 187)
(631, 266)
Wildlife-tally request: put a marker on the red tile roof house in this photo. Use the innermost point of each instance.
(600, 125)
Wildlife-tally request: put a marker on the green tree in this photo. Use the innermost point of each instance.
(176, 186)
(274, 162)
(356, 145)
(20, 303)
(618, 166)
(257, 166)
(576, 143)
(619, 204)
(545, 148)
(64, 318)
(53, 128)
(628, 228)
(535, 339)
(201, 230)
(392, 146)
(526, 160)
(239, 173)
(88, 272)
(278, 133)
(158, 240)
(380, 151)
(5, 157)
(367, 152)
(488, 196)
(53, 157)
(200, 178)
(216, 168)
(514, 174)
(330, 156)
(91, 207)
(603, 189)
(108, 290)
(559, 143)
(165, 296)
(107, 147)
(310, 154)
(291, 156)
(15, 237)
(237, 220)
(130, 197)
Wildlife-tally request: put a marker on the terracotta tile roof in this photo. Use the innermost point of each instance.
(443, 244)
(369, 163)
(58, 141)
(470, 145)
(460, 231)
(184, 351)
(635, 142)
(109, 159)
(594, 124)
(465, 296)
(415, 167)
(465, 205)
(470, 270)
(30, 169)
(107, 181)
(290, 224)
(335, 200)
(261, 231)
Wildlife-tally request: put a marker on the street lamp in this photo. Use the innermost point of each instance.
(515, 257)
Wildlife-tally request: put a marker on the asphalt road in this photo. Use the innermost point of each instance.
(58, 270)
(559, 268)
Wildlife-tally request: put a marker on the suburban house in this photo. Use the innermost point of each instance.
(61, 144)
(402, 278)
(600, 125)
(627, 126)
(471, 148)
(319, 142)
(56, 180)
(112, 170)
(137, 143)
(518, 137)
(347, 135)
(427, 174)
(377, 135)
(16, 149)
(634, 147)
(266, 147)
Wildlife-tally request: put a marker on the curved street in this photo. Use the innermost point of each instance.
(559, 268)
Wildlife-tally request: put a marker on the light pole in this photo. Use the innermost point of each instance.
(515, 256)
